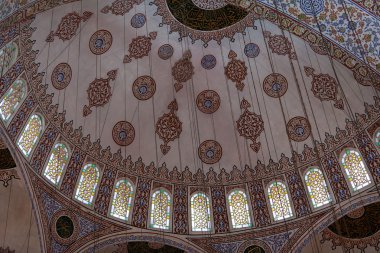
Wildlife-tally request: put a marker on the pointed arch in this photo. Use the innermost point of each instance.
(317, 187)
(30, 134)
(56, 164)
(354, 169)
(160, 209)
(8, 56)
(122, 199)
(87, 184)
(239, 210)
(12, 99)
(200, 212)
(279, 201)
(377, 138)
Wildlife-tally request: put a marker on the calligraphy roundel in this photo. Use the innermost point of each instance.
(210, 151)
(275, 85)
(208, 101)
(165, 51)
(144, 87)
(100, 42)
(123, 133)
(298, 129)
(61, 76)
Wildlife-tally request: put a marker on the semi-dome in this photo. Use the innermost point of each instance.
(215, 126)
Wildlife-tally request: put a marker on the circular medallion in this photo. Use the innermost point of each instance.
(138, 20)
(208, 61)
(165, 51)
(123, 133)
(275, 85)
(298, 129)
(254, 249)
(144, 87)
(64, 227)
(208, 101)
(100, 42)
(251, 50)
(210, 152)
(357, 213)
(312, 7)
(61, 76)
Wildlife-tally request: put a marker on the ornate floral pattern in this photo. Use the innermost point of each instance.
(123, 133)
(61, 76)
(183, 70)
(275, 85)
(210, 152)
(208, 101)
(68, 26)
(144, 87)
(250, 125)
(121, 7)
(169, 127)
(100, 42)
(99, 92)
(298, 129)
(140, 47)
(325, 87)
(280, 45)
(236, 70)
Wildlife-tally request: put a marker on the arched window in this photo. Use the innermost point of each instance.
(317, 187)
(279, 201)
(377, 138)
(30, 134)
(200, 212)
(355, 169)
(122, 199)
(57, 163)
(8, 56)
(88, 182)
(12, 99)
(160, 213)
(240, 218)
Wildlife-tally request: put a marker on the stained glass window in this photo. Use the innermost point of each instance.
(57, 162)
(12, 99)
(279, 201)
(355, 170)
(160, 213)
(377, 138)
(122, 199)
(238, 203)
(8, 56)
(30, 134)
(317, 187)
(200, 212)
(88, 182)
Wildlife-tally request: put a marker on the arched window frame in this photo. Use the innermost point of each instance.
(151, 225)
(15, 41)
(69, 148)
(191, 213)
(346, 176)
(230, 213)
(332, 198)
(128, 220)
(100, 171)
(269, 202)
(6, 122)
(29, 155)
(376, 138)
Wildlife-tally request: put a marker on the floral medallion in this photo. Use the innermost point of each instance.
(208, 101)
(357, 213)
(138, 20)
(61, 76)
(165, 51)
(99, 92)
(144, 87)
(275, 85)
(325, 88)
(298, 129)
(210, 152)
(250, 125)
(367, 77)
(183, 70)
(65, 227)
(210, 5)
(280, 45)
(68, 26)
(169, 127)
(123, 133)
(251, 50)
(100, 42)
(312, 7)
(236, 70)
(140, 47)
(208, 61)
(120, 7)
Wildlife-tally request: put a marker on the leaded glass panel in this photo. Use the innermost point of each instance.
(160, 213)
(239, 209)
(355, 170)
(317, 187)
(279, 201)
(8, 56)
(30, 134)
(377, 138)
(122, 199)
(57, 161)
(12, 99)
(88, 182)
(200, 212)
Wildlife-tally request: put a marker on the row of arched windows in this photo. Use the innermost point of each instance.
(354, 170)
